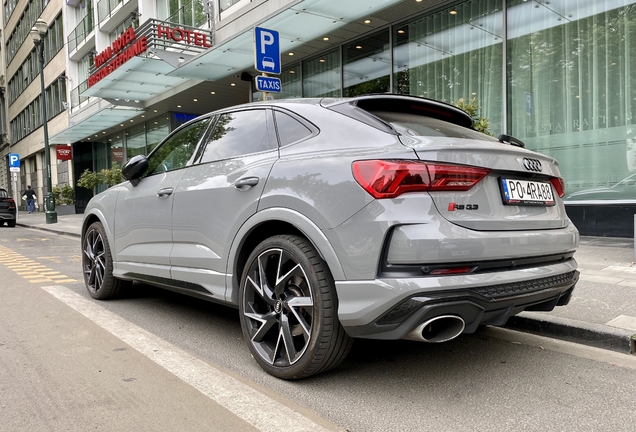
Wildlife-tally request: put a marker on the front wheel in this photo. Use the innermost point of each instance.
(288, 309)
(97, 263)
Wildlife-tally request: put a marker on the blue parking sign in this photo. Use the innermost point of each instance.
(14, 162)
(266, 51)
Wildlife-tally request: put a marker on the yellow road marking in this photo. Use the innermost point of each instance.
(32, 270)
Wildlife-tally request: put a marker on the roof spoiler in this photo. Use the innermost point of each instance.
(407, 104)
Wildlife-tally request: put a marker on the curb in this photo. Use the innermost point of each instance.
(49, 230)
(596, 335)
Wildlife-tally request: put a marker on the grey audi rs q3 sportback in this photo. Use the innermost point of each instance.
(325, 220)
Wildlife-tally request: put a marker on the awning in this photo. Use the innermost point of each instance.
(301, 24)
(97, 122)
(139, 79)
(134, 67)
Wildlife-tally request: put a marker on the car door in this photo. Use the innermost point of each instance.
(218, 194)
(143, 216)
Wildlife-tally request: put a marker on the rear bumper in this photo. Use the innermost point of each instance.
(7, 216)
(390, 308)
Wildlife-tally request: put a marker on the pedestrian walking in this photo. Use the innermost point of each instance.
(30, 197)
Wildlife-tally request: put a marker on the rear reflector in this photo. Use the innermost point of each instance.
(559, 186)
(449, 271)
(391, 178)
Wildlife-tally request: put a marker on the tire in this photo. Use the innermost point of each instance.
(292, 329)
(11, 223)
(97, 265)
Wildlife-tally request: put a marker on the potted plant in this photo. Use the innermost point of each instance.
(64, 198)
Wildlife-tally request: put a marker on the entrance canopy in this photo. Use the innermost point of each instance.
(299, 27)
(94, 124)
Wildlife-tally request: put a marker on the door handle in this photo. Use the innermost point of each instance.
(246, 183)
(165, 193)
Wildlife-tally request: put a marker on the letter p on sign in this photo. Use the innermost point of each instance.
(267, 38)
(14, 162)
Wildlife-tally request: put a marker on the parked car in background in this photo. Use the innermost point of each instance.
(623, 190)
(7, 208)
(325, 220)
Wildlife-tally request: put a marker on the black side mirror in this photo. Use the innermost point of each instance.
(135, 168)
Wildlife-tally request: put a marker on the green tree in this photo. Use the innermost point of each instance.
(90, 179)
(471, 108)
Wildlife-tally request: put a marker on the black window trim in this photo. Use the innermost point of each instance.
(309, 125)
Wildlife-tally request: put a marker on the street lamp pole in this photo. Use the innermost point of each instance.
(38, 32)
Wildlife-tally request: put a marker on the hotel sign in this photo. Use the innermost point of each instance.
(129, 45)
(123, 49)
(64, 153)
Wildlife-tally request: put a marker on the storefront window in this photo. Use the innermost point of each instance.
(116, 146)
(136, 141)
(157, 129)
(321, 75)
(367, 65)
(454, 53)
(572, 91)
(290, 79)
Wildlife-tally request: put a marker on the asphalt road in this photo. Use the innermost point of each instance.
(155, 360)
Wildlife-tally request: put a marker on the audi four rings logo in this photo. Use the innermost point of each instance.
(532, 164)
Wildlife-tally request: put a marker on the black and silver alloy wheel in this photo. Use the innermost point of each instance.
(287, 306)
(97, 264)
(278, 304)
(94, 261)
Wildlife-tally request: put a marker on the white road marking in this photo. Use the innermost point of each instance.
(259, 410)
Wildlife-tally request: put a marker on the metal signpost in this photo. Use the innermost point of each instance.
(267, 61)
(14, 168)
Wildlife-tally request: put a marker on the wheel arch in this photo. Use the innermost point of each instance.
(94, 215)
(268, 223)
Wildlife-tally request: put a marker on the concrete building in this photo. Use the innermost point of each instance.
(557, 74)
(22, 89)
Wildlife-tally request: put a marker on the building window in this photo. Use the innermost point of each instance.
(185, 12)
(454, 53)
(29, 119)
(367, 65)
(290, 80)
(572, 91)
(321, 75)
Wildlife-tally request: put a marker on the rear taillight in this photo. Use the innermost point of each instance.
(391, 178)
(11, 203)
(559, 186)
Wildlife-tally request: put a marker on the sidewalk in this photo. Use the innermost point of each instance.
(602, 311)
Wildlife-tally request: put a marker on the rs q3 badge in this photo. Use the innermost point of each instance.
(454, 206)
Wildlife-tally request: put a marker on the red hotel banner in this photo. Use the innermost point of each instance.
(64, 153)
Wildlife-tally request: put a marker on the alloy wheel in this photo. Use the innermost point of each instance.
(278, 307)
(94, 260)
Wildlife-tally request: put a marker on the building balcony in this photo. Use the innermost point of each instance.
(82, 39)
(111, 12)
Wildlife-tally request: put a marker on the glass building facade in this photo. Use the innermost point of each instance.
(559, 75)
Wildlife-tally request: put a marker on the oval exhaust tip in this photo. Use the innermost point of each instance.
(438, 329)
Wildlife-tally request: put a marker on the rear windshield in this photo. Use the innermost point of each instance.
(3, 193)
(418, 125)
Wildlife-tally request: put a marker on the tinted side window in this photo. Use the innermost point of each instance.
(289, 129)
(3, 193)
(177, 151)
(238, 133)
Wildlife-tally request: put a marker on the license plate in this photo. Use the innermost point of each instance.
(526, 192)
